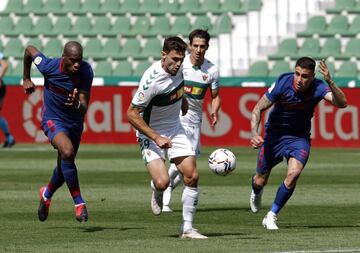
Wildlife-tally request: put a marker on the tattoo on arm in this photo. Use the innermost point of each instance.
(263, 104)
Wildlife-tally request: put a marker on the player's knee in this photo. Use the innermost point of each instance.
(191, 179)
(260, 180)
(161, 184)
(67, 154)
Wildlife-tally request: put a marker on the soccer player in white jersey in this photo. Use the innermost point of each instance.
(154, 112)
(199, 75)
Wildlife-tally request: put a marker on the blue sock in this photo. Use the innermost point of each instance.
(4, 126)
(71, 178)
(282, 196)
(255, 187)
(56, 181)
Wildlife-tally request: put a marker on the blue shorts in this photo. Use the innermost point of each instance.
(275, 148)
(52, 127)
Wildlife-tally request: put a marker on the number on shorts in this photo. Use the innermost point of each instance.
(144, 143)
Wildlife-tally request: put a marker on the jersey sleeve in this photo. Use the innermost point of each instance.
(215, 79)
(87, 78)
(145, 92)
(274, 91)
(41, 62)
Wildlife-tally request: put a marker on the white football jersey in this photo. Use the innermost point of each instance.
(160, 94)
(196, 82)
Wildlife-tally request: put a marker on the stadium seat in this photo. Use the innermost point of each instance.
(123, 68)
(354, 28)
(181, 26)
(141, 26)
(131, 6)
(6, 25)
(53, 48)
(36, 42)
(252, 5)
(331, 47)
(161, 24)
(112, 48)
(111, 6)
(315, 25)
(259, 69)
(347, 69)
(82, 26)
(61, 25)
(287, 47)
(102, 23)
(233, 6)
(51, 5)
(94, 49)
(222, 25)
(337, 25)
(13, 6)
(279, 68)
(121, 26)
(188, 6)
(166, 6)
(16, 70)
(149, 6)
(152, 48)
(141, 67)
(131, 48)
(42, 26)
(356, 9)
(202, 22)
(23, 26)
(352, 49)
(341, 5)
(69, 6)
(103, 68)
(212, 6)
(34, 6)
(91, 6)
(310, 47)
(14, 48)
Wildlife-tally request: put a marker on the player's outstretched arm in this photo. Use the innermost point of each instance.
(133, 116)
(263, 104)
(336, 96)
(29, 54)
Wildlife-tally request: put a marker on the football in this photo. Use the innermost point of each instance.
(222, 161)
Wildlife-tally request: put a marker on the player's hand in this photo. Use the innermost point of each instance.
(163, 142)
(28, 86)
(256, 141)
(213, 119)
(72, 99)
(324, 70)
(184, 106)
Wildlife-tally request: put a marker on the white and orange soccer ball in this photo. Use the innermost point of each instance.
(222, 161)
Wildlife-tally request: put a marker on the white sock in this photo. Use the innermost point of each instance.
(189, 199)
(167, 196)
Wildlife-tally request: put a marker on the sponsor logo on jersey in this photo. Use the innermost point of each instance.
(177, 95)
(193, 90)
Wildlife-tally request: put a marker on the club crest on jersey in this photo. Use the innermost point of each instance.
(204, 77)
(141, 96)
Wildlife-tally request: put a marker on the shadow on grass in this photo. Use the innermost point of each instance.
(98, 229)
(320, 226)
(230, 235)
(243, 209)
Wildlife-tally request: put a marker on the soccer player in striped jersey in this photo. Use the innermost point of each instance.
(154, 112)
(295, 96)
(67, 84)
(199, 76)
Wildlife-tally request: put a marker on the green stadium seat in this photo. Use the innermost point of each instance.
(36, 42)
(121, 26)
(130, 6)
(103, 68)
(352, 49)
(152, 48)
(356, 9)
(42, 26)
(233, 6)
(347, 69)
(310, 47)
(131, 48)
(288, 47)
(111, 6)
(279, 68)
(337, 25)
(123, 68)
(252, 5)
(149, 6)
(82, 26)
(141, 67)
(53, 48)
(315, 25)
(354, 28)
(61, 25)
(166, 6)
(160, 25)
(341, 5)
(34, 6)
(181, 26)
(331, 47)
(94, 49)
(69, 6)
(212, 6)
(192, 6)
(259, 69)
(14, 48)
(141, 26)
(91, 6)
(23, 26)
(51, 5)
(202, 22)
(13, 6)
(16, 70)
(6, 25)
(222, 25)
(112, 48)
(102, 23)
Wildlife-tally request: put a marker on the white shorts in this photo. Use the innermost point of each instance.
(181, 146)
(193, 133)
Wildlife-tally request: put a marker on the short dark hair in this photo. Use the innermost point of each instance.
(199, 33)
(306, 63)
(174, 43)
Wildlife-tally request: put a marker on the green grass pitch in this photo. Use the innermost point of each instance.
(323, 215)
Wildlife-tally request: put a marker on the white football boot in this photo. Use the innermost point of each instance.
(191, 234)
(269, 222)
(255, 201)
